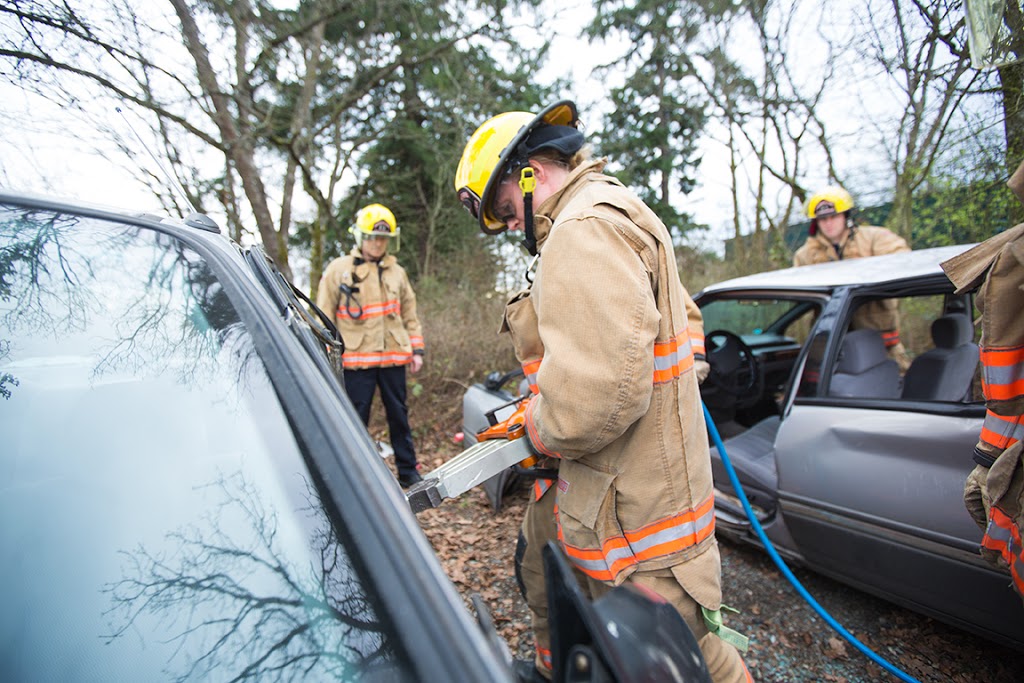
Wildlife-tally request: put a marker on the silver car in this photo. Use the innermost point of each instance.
(854, 467)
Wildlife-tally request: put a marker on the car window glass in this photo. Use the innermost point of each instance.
(754, 316)
(158, 518)
(919, 348)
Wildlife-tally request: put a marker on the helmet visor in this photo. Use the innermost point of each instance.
(471, 201)
(824, 208)
(562, 114)
(478, 198)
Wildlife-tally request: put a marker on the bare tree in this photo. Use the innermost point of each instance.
(770, 110)
(229, 599)
(270, 97)
(909, 40)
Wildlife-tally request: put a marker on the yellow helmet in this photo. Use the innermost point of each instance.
(376, 220)
(500, 146)
(826, 202)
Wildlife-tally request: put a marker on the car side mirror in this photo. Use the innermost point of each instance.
(628, 635)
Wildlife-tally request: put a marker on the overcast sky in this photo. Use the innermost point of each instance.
(65, 163)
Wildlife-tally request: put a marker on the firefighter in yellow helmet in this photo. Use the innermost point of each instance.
(603, 336)
(994, 492)
(374, 307)
(834, 236)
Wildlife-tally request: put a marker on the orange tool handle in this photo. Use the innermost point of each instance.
(514, 427)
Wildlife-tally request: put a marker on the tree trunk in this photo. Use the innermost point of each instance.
(316, 253)
(739, 253)
(901, 216)
(240, 147)
(1011, 81)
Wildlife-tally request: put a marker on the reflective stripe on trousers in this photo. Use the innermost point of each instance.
(659, 539)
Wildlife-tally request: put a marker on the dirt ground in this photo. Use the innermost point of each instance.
(788, 640)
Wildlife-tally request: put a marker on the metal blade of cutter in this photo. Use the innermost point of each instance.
(472, 467)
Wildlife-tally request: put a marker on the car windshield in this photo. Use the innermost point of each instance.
(157, 516)
(757, 316)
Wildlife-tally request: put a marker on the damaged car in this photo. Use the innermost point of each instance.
(854, 463)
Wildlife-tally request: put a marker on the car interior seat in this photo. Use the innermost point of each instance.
(945, 372)
(864, 369)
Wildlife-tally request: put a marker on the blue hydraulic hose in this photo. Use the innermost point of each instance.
(780, 563)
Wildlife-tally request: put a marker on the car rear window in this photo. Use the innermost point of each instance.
(157, 518)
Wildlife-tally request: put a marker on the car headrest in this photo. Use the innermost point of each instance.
(861, 351)
(951, 331)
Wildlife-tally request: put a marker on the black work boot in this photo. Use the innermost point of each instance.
(526, 672)
(407, 480)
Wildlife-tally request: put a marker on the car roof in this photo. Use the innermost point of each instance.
(73, 205)
(862, 271)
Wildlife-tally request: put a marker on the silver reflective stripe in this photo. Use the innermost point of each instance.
(1004, 374)
(673, 533)
(1004, 426)
(1011, 553)
(676, 357)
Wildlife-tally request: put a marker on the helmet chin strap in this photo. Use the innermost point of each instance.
(528, 183)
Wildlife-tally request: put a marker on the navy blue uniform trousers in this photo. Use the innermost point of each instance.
(360, 386)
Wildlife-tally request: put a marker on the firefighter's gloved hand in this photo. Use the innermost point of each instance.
(976, 498)
(702, 369)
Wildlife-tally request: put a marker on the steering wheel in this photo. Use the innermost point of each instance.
(735, 370)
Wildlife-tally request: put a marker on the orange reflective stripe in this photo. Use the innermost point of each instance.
(1003, 537)
(381, 358)
(1002, 372)
(373, 310)
(416, 341)
(530, 371)
(1002, 431)
(672, 358)
(659, 539)
(540, 487)
(545, 657)
(891, 338)
(697, 343)
(531, 430)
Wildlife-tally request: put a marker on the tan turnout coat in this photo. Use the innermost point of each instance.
(997, 265)
(859, 242)
(379, 324)
(618, 404)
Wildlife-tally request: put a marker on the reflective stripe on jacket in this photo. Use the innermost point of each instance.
(997, 265)
(605, 340)
(378, 322)
(1001, 545)
(1003, 537)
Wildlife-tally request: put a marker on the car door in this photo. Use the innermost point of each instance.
(187, 492)
(871, 493)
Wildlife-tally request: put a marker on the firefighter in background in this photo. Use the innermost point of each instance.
(374, 308)
(603, 337)
(994, 492)
(834, 236)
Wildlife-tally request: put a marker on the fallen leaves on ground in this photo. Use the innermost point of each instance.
(789, 642)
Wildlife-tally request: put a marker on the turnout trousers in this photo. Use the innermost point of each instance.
(723, 660)
(361, 384)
